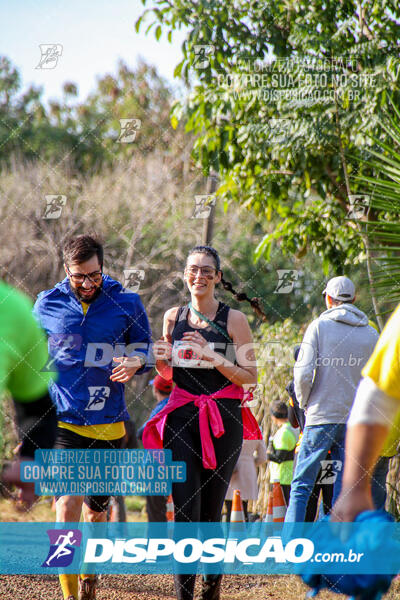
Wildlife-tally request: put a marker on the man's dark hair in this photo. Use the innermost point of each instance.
(81, 248)
(279, 409)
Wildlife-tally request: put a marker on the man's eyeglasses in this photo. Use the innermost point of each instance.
(95, 277)
(193, 270)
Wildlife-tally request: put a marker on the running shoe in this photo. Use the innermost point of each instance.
(87, 588)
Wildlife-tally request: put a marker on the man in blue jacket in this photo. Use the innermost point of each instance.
(89, 319)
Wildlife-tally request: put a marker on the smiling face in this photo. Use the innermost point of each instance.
(201, 274)
(88, 289)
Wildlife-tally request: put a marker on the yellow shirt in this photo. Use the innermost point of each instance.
(105, 431)
(393, 438)
(383, 368)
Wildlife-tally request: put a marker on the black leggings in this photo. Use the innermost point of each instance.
(201, 496)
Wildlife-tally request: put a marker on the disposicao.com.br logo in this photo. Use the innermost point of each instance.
(63, 543)
(243, 548)
(192, 550)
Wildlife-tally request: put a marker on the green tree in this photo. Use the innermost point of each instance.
(279, 93)
(85, 136)
(379, 220)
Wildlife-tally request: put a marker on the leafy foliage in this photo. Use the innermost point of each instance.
(275, 360)
(381, 222)
(84, 135)
(277, 90)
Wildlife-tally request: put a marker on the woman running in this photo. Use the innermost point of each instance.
(207, 350)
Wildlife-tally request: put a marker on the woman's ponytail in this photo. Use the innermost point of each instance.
(255, 303)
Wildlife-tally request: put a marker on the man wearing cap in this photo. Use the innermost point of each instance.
(156, 506)
(335, 348)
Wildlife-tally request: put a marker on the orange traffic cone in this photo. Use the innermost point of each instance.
(270, 508)
(170, 513)
(279, 504)
(237, 515)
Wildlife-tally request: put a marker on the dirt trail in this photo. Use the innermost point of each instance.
(155, 587)
(149, 587)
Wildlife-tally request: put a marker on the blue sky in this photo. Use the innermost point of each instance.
(94, 35)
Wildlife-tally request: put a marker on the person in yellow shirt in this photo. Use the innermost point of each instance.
(375, 413)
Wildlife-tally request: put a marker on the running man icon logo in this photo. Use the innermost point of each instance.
(54, 205)
(277, 129)
(62, 547)
(62, 351)
(287, 279)
(50, 53)
(129, 129)
(133, 279)
(202, 55)
(98, 397)
(359, 205)
(329, 471)
(203, 204)
(253, 394)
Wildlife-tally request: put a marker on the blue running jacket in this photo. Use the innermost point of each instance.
(82, 347)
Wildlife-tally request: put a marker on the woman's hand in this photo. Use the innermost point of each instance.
(162, 349)
(199, 345)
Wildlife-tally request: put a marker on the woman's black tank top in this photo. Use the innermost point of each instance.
(198, 380)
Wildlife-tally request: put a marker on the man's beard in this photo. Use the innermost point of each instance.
(87, 300)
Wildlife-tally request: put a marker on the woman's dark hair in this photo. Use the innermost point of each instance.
(81, 248)
(240, 296)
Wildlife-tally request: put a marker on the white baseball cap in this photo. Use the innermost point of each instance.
(340, 288)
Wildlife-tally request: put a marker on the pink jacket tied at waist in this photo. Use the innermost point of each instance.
(209, 415)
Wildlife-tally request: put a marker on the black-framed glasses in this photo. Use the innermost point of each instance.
(95, 277)
(208, 272)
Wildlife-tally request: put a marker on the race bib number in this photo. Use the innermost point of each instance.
(184, 356)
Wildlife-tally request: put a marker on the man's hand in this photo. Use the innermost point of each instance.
(350, 503)
(126, 370)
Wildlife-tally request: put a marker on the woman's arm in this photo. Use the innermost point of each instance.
(162, 349)
(245, 372)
